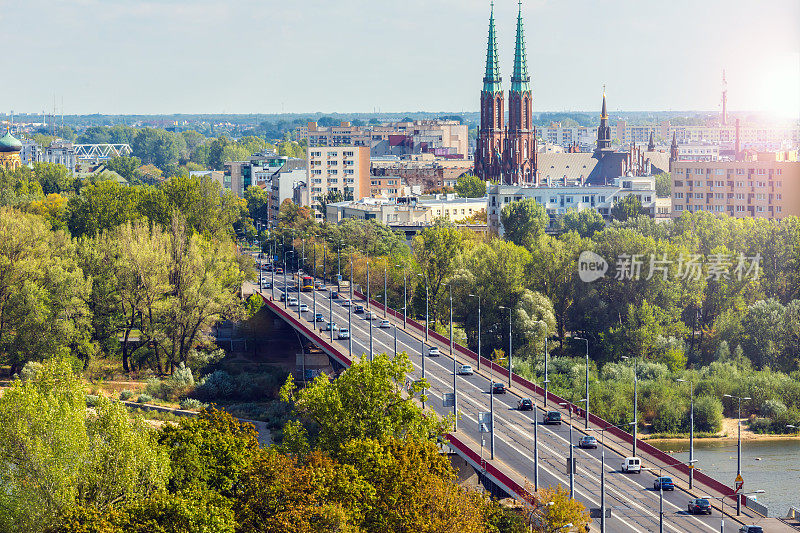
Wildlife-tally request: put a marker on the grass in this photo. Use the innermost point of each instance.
(697, 435)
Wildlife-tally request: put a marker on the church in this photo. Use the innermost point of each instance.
(508, 153)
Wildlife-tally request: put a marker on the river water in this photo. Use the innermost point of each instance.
(769, 465)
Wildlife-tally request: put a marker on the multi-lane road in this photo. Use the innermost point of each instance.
(634, 504)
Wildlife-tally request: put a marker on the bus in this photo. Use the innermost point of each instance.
(308, 284)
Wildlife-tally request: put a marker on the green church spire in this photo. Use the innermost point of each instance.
(491, 80)
(520, 81)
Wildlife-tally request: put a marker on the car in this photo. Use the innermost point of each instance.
(498, 388)
(334, 294)
(699, 506)
(318, 317)
(551, 417)
(329, 326)
(465, 370)
(631, 465)
(279, 270)
(344, 333)
(663, 483)
(318, 285)
(292, 301)
(345, 302)
(283, 296)
(303, 308)
(266, 284)
(384, 324)
(751, 529)
(525, 404)
(587, 441)
(358, 308)
(369, 315)
(433, 351)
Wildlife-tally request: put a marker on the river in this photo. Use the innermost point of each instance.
(769, 465)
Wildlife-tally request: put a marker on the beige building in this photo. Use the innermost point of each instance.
(763, 185)
(337, 168)
(407, 211)
(424, 170)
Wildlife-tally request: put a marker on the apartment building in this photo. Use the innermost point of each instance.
(425, 171)
(763, 185)
(407, 210)
(446, 138)
(337, 168)
(561, 199)
(758, 137)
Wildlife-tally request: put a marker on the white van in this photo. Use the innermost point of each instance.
(632, 464)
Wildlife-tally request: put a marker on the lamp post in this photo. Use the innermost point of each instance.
(405, 296)
(370, 315)
(426, 305)
(739, 447)
(586, 421)
(546, 356)
(571, 446)
(479, 330)
(455, 373)
(314, 289)
(491, 415)
(722, 503)
(350, 312)
(385, 291)
(691, 430)
(510, 372)
(636, 403)
(285, 283)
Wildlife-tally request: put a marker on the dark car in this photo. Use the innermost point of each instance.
(358, 308)
(334, 295)
(525, 404)
(663, 483)
(587, 441)
(552, 417)
(699, 506)
(279, 270)
(498, 388)
(751, 529)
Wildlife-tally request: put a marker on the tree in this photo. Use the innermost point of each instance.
(53, 178)
(523, 221)
(470, 186)
(42, 293)
(258, 200)
(100, 207)
(563, 511)
(763, 334)
(534, 319)
(663, 185)
(628, 207)
(365, 402)
(586, 223)
(56, 455)
(124, 166)
(436, 249)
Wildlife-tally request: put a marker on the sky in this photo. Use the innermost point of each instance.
(270, 56)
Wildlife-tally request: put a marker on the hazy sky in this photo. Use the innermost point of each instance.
(267, 56)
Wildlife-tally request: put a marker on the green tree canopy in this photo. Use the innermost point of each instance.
(470, 186)
(523, 221)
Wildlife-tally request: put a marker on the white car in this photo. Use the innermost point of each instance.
(329, 326)
(292, 301)
(303, 307)
(465, 370)
(345, 302)
(433, 351)
(383, 324)
(344, 333)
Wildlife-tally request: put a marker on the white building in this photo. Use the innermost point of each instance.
(343, 169)
(559, 200)
(407, 211)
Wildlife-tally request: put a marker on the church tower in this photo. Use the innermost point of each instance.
(521, 153)
(604, 130)
(491, 136)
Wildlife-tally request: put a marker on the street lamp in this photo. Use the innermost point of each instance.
(510, 371)
(722, 503)
(571, 446)
(455, 373)
(691, 430)
(546, 356)
(586, 424)
(635, 401)
(426, 305)
(285, 283)
(479, 329)
(405, 296)
(385, 292)
(350, 312)
(661, 494)
(370, 314)
(602, 475)
(739, 447)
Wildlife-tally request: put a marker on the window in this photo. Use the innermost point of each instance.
(779, 172)
(740, 196)
(333, 172)
(698, 195)
(740, 171)
(679, 195)
(316, 172)
(585, 199)
(348, 171)
(678, 207)
(698, 171)
(719, 172)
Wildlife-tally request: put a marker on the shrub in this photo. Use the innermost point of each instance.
(180, 383)
(126, 395)
(91, 400)
(144, 398)
(773, 409)
(707, 414)
(192, 404)
(669, 418)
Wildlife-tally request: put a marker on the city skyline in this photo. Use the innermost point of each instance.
(174, 56)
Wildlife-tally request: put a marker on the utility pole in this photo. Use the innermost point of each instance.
(455, 374)
(479, 329)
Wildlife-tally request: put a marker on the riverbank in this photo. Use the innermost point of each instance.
(729, 433)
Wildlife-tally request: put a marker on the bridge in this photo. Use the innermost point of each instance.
(101, 152)
(526, 452)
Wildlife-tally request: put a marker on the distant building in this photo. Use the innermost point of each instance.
(10, 148)
(407, 211)
(424, 171)
(258, 171)
(342, 169)
(445, 138)
(562, 198)
(761, 185)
